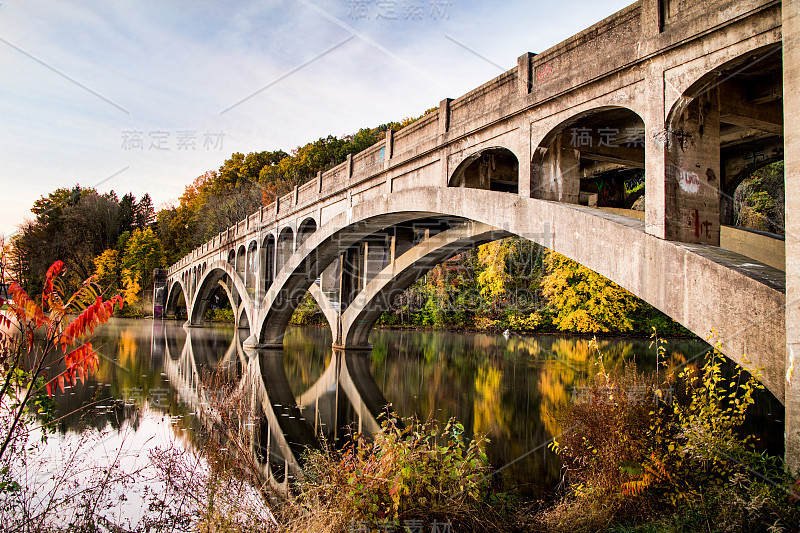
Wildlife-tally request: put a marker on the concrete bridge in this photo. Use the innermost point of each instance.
(687, 97)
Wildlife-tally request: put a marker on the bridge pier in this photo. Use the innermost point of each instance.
(693, 170)
(791, 110)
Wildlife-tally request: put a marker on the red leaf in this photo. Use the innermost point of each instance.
(55, 269)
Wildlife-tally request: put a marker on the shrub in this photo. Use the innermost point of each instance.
(224, 314)
(632, 457)
(415, 472)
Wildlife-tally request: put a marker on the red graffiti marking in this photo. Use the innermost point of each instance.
(545, 72)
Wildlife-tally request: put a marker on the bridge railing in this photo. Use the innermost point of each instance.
(368, 162)
(334, 179)
(419, 133)
(307, 193)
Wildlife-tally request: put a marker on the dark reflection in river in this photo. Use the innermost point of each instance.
(509, 389)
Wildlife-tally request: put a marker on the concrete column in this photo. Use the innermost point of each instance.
(560, 172)
(524, 74)
(652, 17)
(524, 159)
(444, 115)
(388, 148)
(160, 288)
(349, 275)
(655, 151)
(693, 172)
(791, 139)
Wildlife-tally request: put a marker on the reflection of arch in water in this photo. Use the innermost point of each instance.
(278, 429)
(349, 373)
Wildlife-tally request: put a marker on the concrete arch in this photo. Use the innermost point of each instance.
(284, 247)
(176, 288)
(232, 257)
(730, 107)
(605, 143)
(217, 271)
(331, 316)
(714, 72)
(704, 72)
(241, 260)
(377, 296)
(241, 320)
(690, 283)
(495, 168)
(380, 292)
(306, 228)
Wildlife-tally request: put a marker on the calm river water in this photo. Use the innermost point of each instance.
(146, 391)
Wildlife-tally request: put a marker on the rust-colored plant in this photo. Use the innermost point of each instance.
(41, 347)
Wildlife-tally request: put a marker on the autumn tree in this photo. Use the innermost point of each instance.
(107, 269)
(143, 254)
(583, 300)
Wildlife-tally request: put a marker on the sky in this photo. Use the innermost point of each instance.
(145, 96)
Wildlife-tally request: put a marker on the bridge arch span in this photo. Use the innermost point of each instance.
(217, 271)
(377, 296)
(306, 228)
(176, 288)
(690, 283)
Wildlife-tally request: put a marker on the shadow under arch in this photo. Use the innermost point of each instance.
(378, 295)
(176, 290)
(306, 228)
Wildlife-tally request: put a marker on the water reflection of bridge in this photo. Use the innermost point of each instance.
(280, 425)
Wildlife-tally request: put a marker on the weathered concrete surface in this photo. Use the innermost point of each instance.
(762, 248)
(791, 102)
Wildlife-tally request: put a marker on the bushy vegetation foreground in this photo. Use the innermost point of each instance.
(641, 452)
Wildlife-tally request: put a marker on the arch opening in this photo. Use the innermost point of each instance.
(494, 169)
(285, 248)
(723, 129)
(595, 158)
(241, 260)
(176, 306)
(251, 266)
(268, 260)
(308, 227)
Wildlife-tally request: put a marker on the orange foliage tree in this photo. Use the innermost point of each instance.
(41, 347)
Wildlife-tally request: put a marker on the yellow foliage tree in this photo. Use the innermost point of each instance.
(493, 279)
(130, 282)
(583, 300)
(106, 268)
